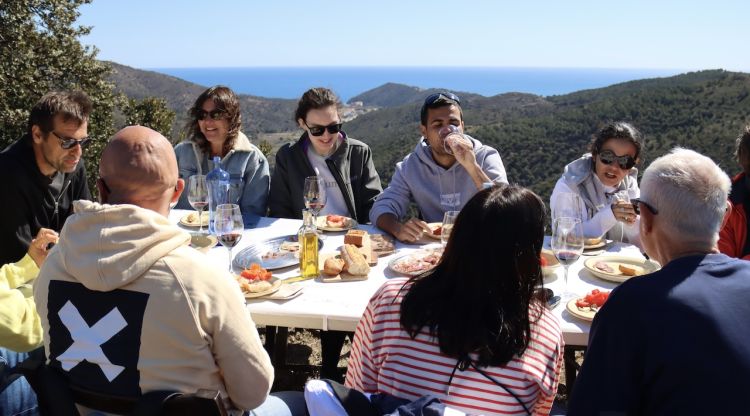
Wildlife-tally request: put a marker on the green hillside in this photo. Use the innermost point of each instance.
(536, 136)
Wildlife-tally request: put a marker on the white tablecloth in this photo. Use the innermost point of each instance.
(338, 306)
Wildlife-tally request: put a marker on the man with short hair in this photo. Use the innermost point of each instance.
(667, 343)
(437, 176)
(43, 173)
(128, 307)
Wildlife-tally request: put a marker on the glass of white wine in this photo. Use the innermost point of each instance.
(449, 218)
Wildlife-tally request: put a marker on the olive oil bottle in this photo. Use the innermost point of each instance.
(308, 246)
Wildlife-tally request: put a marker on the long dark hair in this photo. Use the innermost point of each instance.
(313, 99)
(477, 298)
(225, 99)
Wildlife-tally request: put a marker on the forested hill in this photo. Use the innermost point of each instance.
(536, 136)
(258, 114)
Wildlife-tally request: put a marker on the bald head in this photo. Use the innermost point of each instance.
(138, 166)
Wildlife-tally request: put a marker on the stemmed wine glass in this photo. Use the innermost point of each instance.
(314, 194)
(234, 192)
(568, 204)
(198, 196)
(228, 225)
(567, 242)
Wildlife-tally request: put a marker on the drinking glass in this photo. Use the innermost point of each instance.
(448, 220)
(198, 196)
(450, 135)
(314, 194)
(568, 204)
(567, 242)
(228, 225)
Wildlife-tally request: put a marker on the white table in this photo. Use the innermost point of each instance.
(338, 306)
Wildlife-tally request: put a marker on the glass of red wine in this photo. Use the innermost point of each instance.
(314, 195)
(228, 225)
(198, 196)
(567, 241)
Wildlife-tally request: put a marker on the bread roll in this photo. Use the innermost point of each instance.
(355, 237)
(630, 270)
(354, 261)
(333, 266)
(592, 241)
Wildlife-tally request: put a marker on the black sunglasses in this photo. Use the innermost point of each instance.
(441, 97)
(68, 143)
(637, 207)
(318, 130)
(624, 162)
(201, 114)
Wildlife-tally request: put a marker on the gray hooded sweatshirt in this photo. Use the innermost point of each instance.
(434, 189)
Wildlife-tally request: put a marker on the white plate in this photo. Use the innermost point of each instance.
(275, 285)
(185, 220)
(614, 262)
(322, 224)
(586, 315)
(401, 264)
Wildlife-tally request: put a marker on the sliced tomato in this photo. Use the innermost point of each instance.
(581, 303)
(543, 261)
(255, 272)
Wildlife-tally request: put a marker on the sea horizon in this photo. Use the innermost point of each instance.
(350, 81)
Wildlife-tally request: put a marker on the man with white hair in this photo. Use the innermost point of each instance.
(666, 343)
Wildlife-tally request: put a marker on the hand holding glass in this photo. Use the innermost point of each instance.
(198, 196)
(448, 220)
(567, 241)
(451, 137)
(228, 225)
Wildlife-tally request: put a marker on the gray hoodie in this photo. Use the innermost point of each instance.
(434, 189)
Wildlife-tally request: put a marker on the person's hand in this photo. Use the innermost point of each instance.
(463, 152)
(38, 248)
(411, 231)
(624, 212)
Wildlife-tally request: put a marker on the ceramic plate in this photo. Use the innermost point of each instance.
(191, 220)
(275, 285)
(203, 242)
(582, 313)
(436, 228)
(322, 224)
(597, 245)
(274, 253)
(613, 273)
(552, 263)
(416, 262)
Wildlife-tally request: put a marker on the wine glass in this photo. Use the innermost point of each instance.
(448, 219)
(568, 204)
(567, 242)
(228, 225)
(198, 196)
(314, 194)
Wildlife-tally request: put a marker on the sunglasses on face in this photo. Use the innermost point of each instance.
(213, 114)
(637, 206)
(441, 96)
(68, 143)
(624, 162)
(318, 130)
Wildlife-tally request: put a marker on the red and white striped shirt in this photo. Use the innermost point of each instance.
(385, 359)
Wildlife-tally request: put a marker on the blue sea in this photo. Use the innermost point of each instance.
(347, 82)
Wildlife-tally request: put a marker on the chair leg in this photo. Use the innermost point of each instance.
(571, 367)
(270, 340)
(279, 354)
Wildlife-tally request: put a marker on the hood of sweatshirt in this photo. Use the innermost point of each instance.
(108, 246)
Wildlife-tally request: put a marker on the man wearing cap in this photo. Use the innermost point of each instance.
(43, 173)
(435, 176)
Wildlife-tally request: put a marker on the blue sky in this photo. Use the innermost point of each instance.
(684, 35)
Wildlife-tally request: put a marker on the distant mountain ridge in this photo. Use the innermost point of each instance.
(535, 135)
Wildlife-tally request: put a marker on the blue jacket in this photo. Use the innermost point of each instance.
(244, 161)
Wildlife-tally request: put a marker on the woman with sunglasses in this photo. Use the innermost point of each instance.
(346, 166)
(600, 177)
(324, 150)
(214, 130)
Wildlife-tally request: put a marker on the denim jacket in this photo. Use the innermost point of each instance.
(244, 161)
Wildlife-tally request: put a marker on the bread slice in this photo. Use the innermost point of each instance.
(355, 237)
(630, 270)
